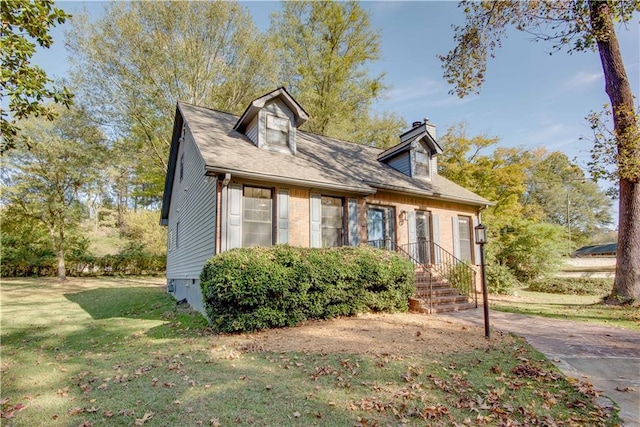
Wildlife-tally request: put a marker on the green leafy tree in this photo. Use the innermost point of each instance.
(25, 87)
(560, 191)
(45, 183)
(25, 245)
(530, 249)
(496, 173)
(577, 26)
(324, 49)
(142, 227)
(140, 58)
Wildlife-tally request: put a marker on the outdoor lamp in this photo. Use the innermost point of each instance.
(481, 234)
(481, 239)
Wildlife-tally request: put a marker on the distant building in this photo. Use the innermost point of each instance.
(607, 250)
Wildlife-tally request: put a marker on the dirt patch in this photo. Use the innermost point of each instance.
(375, 334)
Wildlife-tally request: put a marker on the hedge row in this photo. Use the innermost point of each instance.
(573, 285)
(266, 287)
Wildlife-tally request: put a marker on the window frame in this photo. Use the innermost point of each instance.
(390, 230)
(468, 229)
(270, 215)
(420, 150)
(323, 227)
(275, 123)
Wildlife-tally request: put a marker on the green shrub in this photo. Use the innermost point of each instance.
(572, 285)
(500, 280)
(265, 287)
(460, 276)
(530, 249)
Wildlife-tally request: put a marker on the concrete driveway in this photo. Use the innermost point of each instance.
(607, 357)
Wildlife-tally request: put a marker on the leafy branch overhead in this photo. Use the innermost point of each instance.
(574, 26)
(25, 87)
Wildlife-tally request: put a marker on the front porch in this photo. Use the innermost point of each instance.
(443, 282)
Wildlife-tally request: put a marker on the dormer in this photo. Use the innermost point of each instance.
(270, 122)
(416, 154)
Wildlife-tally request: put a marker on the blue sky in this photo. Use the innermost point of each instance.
(530, 98)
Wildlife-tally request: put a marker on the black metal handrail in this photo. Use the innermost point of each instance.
(457, 272)
(460, 274)
(433, 257)
(420, 293)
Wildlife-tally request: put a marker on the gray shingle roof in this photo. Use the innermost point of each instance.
(321, 162)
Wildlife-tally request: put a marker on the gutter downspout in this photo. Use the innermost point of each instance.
(224, 212)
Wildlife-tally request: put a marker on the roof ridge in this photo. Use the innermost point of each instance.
(206, 108)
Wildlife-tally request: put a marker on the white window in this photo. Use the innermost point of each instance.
(464, 238)
(422, 163)
(257, 216)
(277, 131)
(332, 221)
(170, 240)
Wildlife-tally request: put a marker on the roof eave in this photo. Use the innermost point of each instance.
(430, 194)
(178, 122)
(364, 190)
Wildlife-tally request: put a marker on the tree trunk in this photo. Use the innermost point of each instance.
(626, 287)
(62, 271)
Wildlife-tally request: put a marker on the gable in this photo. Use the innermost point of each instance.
(270, 121)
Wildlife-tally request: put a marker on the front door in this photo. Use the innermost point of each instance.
(380, 226)
(423, 236)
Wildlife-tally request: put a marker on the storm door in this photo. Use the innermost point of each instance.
(381, 227)
(423, 236)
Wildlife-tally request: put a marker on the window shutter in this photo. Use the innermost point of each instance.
(456, 236)
(413, 234)
(283, 217)
(436, 236)
(316, 221)
(234, 228)
(476, 248)
(353, 222)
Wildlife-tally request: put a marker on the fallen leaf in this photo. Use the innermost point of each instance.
(140, 421)
(108, 414)
(625, 389)
(87, 423)
(76, 411)
(297, 414)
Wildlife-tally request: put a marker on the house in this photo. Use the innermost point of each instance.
(605, 250)
(258, 180)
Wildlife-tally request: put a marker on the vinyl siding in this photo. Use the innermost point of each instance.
(193, 205)
(401, 163)
(252, 130)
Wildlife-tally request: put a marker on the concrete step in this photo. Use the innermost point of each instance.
(437, 292)
(422, 306)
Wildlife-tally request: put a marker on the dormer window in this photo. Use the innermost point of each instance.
(416, 154)
(277, 131)
(270, 122)
(422, 160)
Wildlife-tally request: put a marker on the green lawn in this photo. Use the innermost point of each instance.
(583, 308)
(96, 352)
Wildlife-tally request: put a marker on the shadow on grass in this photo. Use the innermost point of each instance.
(142, 303)
(132, 303)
